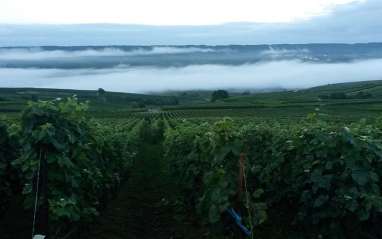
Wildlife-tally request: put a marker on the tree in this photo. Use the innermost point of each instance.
(101, 94)
(323, 97)
(34, 97)
(101, 91)
(159, 102)
(246, 92)
(363, 95)
(173, 100)
(134, 105)
(219, 94)
(148, 101)
(141, 104)
(338, 95)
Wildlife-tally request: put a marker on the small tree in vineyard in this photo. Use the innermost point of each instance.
(219, 94)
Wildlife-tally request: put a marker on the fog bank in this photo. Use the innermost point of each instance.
(283, 74)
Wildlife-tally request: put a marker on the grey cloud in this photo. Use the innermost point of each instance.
(285, 74)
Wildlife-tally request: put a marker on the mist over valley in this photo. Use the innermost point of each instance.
(140, 69)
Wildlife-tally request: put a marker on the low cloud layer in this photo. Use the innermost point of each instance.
(277, 51)
(39, 54)
(285, 74)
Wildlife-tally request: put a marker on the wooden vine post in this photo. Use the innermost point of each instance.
(45, 212)
(240, 190)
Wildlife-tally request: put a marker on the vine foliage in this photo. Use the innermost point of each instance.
(83, 162)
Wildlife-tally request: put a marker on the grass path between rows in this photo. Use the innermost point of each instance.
(144, 208)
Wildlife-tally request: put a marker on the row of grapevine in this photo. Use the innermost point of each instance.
(292, 112)
(333, 111)
(319, 177)
(204, 159)
(8, 152)
(71, 165)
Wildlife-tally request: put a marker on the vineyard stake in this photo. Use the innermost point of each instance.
(240, 190)
(45, 199)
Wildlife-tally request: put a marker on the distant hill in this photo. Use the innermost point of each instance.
(77, 57)
(343, 102)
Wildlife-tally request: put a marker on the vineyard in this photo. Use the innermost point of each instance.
(324, 178)
(308, 169)
(63, 165)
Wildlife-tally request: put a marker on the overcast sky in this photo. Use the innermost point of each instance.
(175, 22)
(164, 12)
